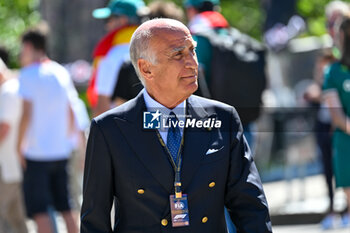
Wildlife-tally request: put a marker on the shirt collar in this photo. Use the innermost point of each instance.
(153, 105)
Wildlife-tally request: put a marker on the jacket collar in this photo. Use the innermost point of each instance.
(147, 147)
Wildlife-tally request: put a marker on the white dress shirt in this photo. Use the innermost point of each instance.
(153, 105)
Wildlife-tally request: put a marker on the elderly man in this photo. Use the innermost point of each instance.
(170, 160)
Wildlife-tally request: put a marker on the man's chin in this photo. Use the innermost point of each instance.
(191, 88)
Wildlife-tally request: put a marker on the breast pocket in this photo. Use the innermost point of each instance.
(214, 154)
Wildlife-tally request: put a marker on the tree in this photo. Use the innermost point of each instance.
(313, 12)
(74, 32)
(246, 15)
(15, 17)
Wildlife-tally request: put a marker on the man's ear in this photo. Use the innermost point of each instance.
(144, 68)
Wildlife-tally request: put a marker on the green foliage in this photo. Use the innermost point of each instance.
(313, 12)
(247, 16)
(15, 17)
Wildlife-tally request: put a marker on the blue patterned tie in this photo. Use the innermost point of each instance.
(174, 136)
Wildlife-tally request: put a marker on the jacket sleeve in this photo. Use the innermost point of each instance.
(245, 198)
(98, 184)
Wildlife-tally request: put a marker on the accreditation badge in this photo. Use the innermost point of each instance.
(179, 211)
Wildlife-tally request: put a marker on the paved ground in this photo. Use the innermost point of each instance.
(314, 228)
(300, 197)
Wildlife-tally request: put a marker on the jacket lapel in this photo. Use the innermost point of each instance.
(148, 149)
(145, 144)
(196, 143)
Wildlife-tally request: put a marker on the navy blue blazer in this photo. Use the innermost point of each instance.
(127, 164)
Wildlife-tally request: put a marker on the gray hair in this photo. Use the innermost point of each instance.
(139, 48)
(140, 41)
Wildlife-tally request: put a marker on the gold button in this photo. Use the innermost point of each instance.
(204, 219)
(164, 222)
(211, 185)
(140, 191)
(210, 128)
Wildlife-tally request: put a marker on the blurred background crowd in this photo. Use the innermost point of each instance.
(285, 66)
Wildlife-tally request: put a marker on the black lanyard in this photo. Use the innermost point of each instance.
(177, 165)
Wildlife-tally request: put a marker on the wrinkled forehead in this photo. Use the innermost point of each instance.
(172, 37)
(163, 34)
(164, 27)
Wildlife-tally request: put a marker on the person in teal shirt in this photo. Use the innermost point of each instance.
(336, 94)
(203, 16)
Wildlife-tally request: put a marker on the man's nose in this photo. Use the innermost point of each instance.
(191, 61)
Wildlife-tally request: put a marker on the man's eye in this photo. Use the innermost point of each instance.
(178, 55)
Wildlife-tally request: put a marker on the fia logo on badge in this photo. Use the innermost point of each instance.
(179, 205)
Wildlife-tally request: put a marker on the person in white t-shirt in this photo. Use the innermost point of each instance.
(46, 89)
(12, 217)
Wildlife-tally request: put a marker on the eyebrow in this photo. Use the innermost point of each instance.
(177, 49)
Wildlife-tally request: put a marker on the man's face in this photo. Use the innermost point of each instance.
(191, 12)
(332, 24)
(176, 70)
(115, 22)
(27, 54)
